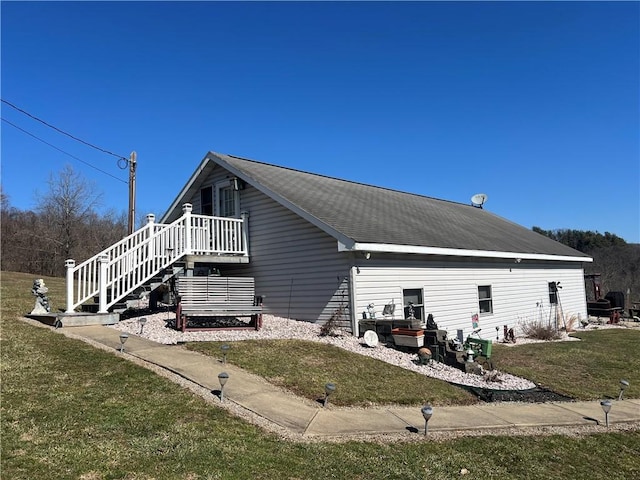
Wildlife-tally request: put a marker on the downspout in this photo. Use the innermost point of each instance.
(355, 324)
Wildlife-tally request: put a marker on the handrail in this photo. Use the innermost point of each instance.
(130, 263)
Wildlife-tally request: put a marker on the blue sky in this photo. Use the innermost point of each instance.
(534, 103)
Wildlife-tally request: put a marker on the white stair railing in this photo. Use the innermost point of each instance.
(125, 266)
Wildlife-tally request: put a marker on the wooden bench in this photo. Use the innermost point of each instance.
(202, 300)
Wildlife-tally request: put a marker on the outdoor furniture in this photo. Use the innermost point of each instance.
(205, 301)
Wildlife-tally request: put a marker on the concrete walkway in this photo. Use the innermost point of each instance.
(309, 418)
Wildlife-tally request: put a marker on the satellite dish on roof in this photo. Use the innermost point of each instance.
(479, 199)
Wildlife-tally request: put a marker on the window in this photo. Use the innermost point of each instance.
(206, 201)
(227, 200)
(413, 303)
(485, 301)
(553, 293)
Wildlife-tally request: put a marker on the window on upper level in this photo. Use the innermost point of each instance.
(227, 200)
(206, 201)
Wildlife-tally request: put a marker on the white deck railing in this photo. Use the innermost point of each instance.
(125, 266)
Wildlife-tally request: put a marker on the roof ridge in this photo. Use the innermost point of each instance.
(346, 181)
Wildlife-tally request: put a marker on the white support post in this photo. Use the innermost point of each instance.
(245, 232)
(102, 279)
(69, 264)
(187, 208)
(151, 219)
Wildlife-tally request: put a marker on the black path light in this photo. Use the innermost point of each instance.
(142, 321)
(624, 384)
(225, 349)
(123, 338)
(222, 378)
(329, 388)
(427, 412)
(606, 408)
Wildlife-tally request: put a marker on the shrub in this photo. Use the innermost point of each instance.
(540, 331)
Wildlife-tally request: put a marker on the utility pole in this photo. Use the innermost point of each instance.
(132, 192)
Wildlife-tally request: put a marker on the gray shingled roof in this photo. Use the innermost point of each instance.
(369, 214)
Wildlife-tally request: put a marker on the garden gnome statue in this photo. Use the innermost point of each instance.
(42, 301)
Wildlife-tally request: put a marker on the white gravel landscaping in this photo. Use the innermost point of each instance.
(156, 330)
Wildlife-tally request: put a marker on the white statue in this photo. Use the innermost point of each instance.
(42, 301)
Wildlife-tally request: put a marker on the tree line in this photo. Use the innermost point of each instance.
(617, 261)
(582, 240)
(65, 224)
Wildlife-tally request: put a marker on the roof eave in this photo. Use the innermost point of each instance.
(455, 252)
(176, 205)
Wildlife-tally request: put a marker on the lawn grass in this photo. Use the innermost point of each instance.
(587, 370)
(70, 411)
(304, 367)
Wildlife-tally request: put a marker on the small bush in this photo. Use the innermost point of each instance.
(570, 324)
(540, 331)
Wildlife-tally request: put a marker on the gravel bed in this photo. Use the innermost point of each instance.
(156, 329)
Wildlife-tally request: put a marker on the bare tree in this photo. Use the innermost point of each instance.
(65, 225)
(70, 203)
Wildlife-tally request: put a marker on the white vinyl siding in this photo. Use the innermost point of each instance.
(296, 266)
(520, 293)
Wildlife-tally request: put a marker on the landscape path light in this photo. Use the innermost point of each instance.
(225, 349)
(142, 321)
(606, 407)
(123, 338)
(222, 378)
(329, 388)
(427, 412)
(624, 384)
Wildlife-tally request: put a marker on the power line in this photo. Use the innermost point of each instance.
(62, 131)
(62, 151)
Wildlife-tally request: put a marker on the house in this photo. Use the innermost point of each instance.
(316, 244)
(320, 247)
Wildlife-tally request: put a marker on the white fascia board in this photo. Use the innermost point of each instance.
(456, 252)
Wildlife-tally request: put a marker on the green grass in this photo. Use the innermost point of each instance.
(304, 367)
(587, 370)
(70, 411)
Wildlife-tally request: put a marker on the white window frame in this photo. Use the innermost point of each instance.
(219, 187)
(489, 299)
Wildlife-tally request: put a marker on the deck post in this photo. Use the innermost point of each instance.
(69, 264)
(187, 208)
(151, 219)
(245, 233)
(102, 281)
